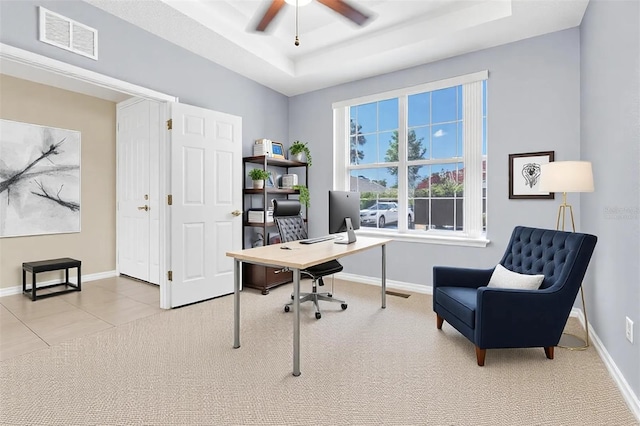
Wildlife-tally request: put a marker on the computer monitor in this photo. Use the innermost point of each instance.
(344, 214)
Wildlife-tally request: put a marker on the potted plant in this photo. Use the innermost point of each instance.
(258, 176)
(304, 194)
(298, 148)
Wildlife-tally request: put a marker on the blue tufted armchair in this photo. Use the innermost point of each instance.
(512, 318)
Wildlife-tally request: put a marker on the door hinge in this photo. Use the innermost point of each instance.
(170, 275)
(170, 124)
(170, 199)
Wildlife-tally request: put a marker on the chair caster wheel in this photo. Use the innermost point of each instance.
(318, 315)
(292, 297)
(343, 306)
(329, 295)
(286, 308)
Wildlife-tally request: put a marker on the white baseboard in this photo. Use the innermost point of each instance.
(85, 278)
(391, 284)
(627, 393)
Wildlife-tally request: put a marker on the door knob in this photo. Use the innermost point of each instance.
(145, 208)
(236, 212)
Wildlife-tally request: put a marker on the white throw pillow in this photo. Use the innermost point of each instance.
(504, 278)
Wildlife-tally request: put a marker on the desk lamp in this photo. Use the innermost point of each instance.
(568, 176)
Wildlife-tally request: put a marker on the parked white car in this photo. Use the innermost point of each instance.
(382, 213)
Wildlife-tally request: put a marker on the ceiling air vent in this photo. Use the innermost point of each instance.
(68, 34)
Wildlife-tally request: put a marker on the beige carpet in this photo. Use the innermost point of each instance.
(362, 366)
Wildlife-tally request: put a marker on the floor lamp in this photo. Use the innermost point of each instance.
(568, 176)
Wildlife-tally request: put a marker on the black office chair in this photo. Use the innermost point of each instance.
(291, 226)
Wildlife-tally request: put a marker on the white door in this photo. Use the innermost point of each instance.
(206, 188)
(138, 189)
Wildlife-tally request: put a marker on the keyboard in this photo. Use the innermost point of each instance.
(318, 239)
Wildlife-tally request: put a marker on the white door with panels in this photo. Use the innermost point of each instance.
(206, 202)
(138, 131)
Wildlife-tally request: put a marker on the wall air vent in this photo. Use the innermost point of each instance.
(68, 34)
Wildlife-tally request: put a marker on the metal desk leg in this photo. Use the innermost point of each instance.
(384, 276)
(296, 322)
(236, 303)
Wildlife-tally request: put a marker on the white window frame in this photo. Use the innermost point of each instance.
(472, 234)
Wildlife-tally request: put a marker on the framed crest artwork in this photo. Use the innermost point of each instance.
(524, 175)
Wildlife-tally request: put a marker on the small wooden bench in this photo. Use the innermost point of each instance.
(46, 266)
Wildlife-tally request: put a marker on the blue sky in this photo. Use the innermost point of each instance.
(438, 127)
(435, 117)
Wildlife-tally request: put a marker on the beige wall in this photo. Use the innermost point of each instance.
(95, 245)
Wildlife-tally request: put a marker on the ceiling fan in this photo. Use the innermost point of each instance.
(342, 7)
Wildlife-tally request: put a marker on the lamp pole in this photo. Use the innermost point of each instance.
(581, 344)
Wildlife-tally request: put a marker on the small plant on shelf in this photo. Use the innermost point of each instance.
(258, 176)
(304, 197)
(297, 148)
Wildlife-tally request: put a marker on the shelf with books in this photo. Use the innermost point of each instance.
(260, 199)
(271, 190)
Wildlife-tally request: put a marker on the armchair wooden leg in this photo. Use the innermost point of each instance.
(548, 351)
(439, 321)
(480, 354)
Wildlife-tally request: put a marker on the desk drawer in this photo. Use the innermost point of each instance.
(263, 277)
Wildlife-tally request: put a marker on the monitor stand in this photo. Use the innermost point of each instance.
(351, 234)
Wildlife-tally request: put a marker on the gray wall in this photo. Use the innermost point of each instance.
(533, 105)
(610, 70)
(131, 54)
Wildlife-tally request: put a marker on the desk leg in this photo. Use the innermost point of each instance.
(384, 276)
(296, 322)
(236, 303)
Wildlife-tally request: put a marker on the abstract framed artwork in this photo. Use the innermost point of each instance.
(524, 175)
(39, 180)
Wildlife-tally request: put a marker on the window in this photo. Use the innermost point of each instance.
(418, 158)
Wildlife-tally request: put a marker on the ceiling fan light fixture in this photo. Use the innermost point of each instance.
(299, 2)
(342, 7)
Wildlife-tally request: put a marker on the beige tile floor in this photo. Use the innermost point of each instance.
(27, 326)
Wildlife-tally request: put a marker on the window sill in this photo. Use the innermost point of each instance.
(428, 238)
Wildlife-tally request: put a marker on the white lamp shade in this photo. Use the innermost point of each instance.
(566, 176)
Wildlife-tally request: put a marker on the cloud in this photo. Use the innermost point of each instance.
(440, 133)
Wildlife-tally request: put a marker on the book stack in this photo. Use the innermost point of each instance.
(262, 147)
(257, 215)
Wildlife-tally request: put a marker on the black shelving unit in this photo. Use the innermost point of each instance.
(256, 276)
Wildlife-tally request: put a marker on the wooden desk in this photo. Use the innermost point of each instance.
(301, 256)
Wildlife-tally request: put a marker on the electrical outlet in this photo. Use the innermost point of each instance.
(629, 329)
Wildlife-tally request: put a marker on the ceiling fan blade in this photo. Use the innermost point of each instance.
(346, 10)
(270, 13)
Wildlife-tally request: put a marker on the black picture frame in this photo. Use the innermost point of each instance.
(524, 175)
